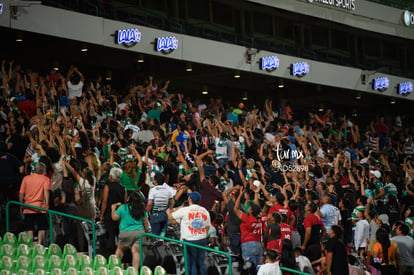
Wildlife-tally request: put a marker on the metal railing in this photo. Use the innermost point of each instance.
(292, 271)
(50, 212)
(185, 244)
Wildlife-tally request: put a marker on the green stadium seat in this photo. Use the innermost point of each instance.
(159, 270)
(84, 261)
(24, 263)
(114, 261)
(54, 262)
(7, 263)
(102, 270)
(24, 238)
(39, 250)
(24, 250)
(132, 271)
(116, 270)
(8, 250)
(39, 262)
(99, 261)
(72, 271)
(6, 272)
(87, 271)
(56, 271)
(10, 238)
(54, 249)
(22, 272)
(69, 249)
(145, 270)
(69, 261)
(39, 271)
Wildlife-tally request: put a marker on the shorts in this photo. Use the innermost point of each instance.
(40, 220)
(128, 238)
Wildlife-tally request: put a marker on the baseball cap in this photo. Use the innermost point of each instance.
(195, 196)
(376, 173)
(384, 219)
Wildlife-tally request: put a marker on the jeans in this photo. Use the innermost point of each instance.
(252, 252)
(234, 243)
(222, 162)
(196, 258)
(159, 222)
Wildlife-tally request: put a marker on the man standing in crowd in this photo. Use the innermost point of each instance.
(159, 199)
(194, 225)
(314, 233)
(35, 191)
(405, 247)
(337, 257)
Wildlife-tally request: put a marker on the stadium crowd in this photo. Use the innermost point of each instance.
(280, 190)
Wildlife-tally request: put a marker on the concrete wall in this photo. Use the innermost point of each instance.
(95, 30)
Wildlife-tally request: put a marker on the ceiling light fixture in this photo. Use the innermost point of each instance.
(237, 75)
(244, 96)
(281, 84)
(140, 58)
(188, 67)
(108, 75)
(204, 91)
(393, 101)
(84, 48)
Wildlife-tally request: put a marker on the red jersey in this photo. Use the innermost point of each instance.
(251, 229)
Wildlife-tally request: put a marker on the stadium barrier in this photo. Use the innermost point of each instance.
(50, 212)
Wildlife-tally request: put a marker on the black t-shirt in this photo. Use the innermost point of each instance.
(19, 146)
(339, 258)
(233, 222)
(9, 169)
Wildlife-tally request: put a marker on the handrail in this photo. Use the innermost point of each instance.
(50, 212)
(94, 6)
(185, 250)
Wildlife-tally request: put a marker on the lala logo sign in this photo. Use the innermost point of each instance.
(166, 44)
(128, 37)
(405, 88)
(300, 69)
(269, 63)
(1, 8)
(380, 83)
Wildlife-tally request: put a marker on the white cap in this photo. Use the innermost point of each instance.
(376, 173)
(257, 183)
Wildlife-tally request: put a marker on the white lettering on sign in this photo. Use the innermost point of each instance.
(343, 4)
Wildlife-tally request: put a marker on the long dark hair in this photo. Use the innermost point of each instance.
(88, 175)
(384, 240)
(136, 205)
(287, 257)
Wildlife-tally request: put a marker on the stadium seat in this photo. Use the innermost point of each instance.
(1, 241)
(6, 272)
(54, 249)
(39, 262)
(24, 238)
(99, 261)
(24, 250)
(102, 270)
(7, 263)
(117, 271)
(69, 261)
(145, 270)
(39, 250)
(54, 262)
(114, 261)
(39, 271)
(69, 249)
(56, 271)
(23, 263)
(22, 272)
(159, 270)
(72, 271)
(10, 238)
(132, 271)
(87, 271)
(84, 261)
(8, 250)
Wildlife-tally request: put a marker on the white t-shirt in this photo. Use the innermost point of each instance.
(194, 220)
(89, 190)
(75, 90)
(270, 269)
